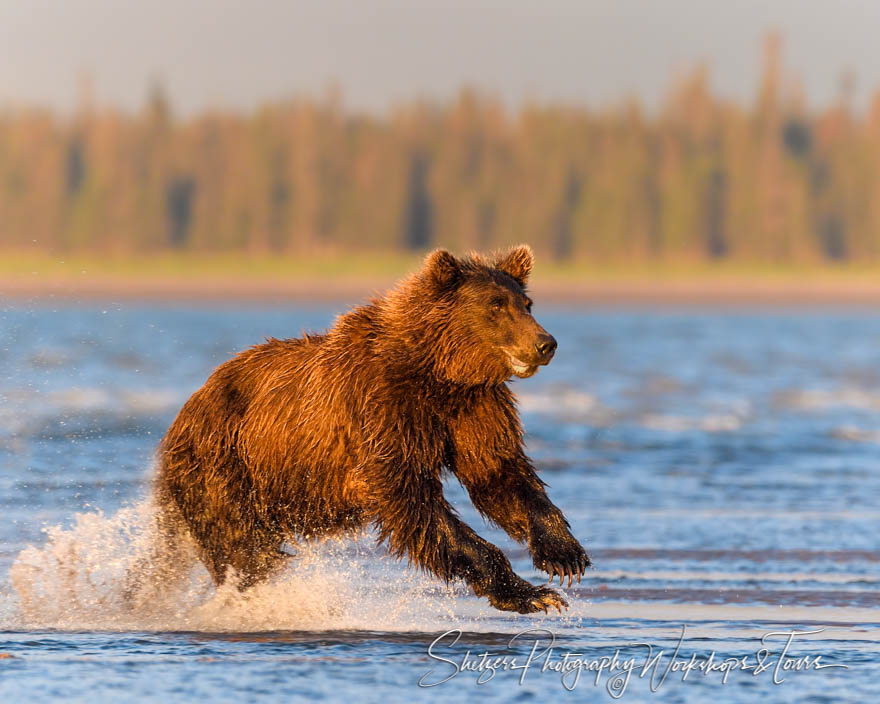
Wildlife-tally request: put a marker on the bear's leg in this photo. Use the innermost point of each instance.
(251, 561)
(231, 539)
(239, 549)
(513, 497)
(436, 539)
(490, 574)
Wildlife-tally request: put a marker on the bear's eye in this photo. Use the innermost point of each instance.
(497, 304)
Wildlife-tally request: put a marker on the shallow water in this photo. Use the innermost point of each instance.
(721, 467)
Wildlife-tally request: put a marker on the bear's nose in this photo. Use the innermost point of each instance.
(546, 346)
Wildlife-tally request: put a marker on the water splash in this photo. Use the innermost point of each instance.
(79, 580)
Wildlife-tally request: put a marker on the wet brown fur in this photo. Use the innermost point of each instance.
(309, 437)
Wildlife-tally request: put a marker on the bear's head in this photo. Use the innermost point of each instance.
(480, 316)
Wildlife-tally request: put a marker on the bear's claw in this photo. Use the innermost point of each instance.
(527, 599)
(571, 570)
(548, 598)
(562, 558)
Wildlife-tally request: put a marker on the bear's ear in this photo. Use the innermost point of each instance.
(517, 262)
(443, 268)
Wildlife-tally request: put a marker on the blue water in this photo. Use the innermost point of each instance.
(722, 468)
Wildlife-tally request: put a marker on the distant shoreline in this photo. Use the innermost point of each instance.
(349, 277)
(605, 291)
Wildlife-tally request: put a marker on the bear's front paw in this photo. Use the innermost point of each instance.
(562, 556)
(529, 599)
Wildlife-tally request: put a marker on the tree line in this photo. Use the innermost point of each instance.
(700, 178)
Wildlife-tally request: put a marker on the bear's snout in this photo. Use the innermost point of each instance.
(545, 347)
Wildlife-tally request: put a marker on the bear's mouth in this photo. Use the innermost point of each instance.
(521, 369)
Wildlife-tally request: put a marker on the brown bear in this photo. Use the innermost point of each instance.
(309, 437)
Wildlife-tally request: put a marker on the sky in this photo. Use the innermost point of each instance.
(239, 54)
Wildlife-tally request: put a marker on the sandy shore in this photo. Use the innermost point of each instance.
(637, 291)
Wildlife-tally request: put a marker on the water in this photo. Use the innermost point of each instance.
(722, 468)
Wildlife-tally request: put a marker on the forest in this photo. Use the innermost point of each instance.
(700, 178)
